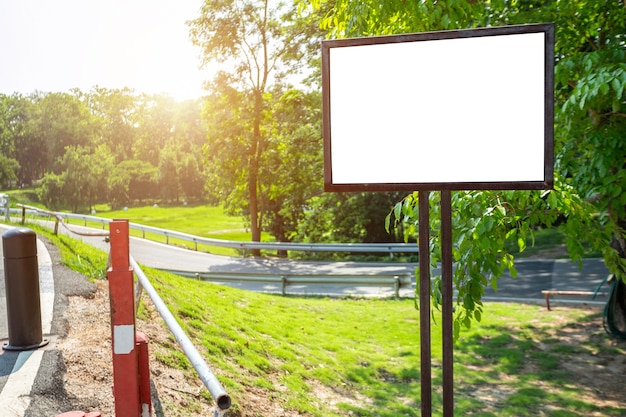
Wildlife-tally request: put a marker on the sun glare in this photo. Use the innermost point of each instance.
(143, 44)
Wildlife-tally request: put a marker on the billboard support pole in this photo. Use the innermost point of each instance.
(424, 304)
(446, 305)
(446, 308)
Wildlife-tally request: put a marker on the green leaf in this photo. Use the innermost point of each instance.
(467, 322)
(397, 210)
(478, 315)
(604, 88)
(552, 200)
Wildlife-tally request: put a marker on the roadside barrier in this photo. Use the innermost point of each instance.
(396, 281)
(219, 394)
(131, 372)
(131, 369)
(390, 248)
(21, 273)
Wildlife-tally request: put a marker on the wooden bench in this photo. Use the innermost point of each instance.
(548, 293)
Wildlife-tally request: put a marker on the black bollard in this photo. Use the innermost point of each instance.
(21, 283)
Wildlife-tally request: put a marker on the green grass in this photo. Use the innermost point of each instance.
(370, 349)
(26, 196)
(75, 254)
(363, 354)
(198, 220)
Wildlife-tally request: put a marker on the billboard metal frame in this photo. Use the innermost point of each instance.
(548, 181)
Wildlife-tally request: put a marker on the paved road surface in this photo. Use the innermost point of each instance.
(534, 275)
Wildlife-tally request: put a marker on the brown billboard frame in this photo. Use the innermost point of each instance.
(548, 129)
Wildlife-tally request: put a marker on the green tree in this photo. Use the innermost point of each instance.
(292, 163)
(20, 141)
(76, 171)
(192, 178)
(588, 200)
(349, 217)
(101, 162)
(168, 172)
(62, 120)
(118, 113)
(118, 182)
(189, 129)
(8, 164)
(134, 180)
(155, 127)
(8, 168)
(260, 42)
(50, 191)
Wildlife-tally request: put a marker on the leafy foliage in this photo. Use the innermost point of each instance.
(79, 144)
(588, 200)
(260, 43)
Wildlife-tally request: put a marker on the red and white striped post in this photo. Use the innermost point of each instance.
(129, 388)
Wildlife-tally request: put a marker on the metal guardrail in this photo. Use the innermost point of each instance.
(219, 394)
(395, 280)
(389, 248)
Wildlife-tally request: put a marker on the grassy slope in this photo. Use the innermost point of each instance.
(369, 351)
(199, 220)
(365, 353)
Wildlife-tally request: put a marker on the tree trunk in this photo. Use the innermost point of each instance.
(253, 175)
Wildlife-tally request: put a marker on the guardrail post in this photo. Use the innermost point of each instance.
(396, 285)
(4, 202)
(127, 383)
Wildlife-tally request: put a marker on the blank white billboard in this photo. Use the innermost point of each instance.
(469, 109)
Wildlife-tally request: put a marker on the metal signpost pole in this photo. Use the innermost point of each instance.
(424, 305)
(425, 309)
(446, 307)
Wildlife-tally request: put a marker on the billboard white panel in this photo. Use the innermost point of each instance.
(468, 109)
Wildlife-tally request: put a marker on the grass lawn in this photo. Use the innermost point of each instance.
(360, 357)
(346, 357)
(198, 220)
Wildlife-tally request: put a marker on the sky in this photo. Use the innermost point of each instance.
(57, 45)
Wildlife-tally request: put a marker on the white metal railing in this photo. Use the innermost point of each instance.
(219, 394)
(397, 281)
(389, 248)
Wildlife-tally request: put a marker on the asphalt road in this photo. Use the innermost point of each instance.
(534, 275)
